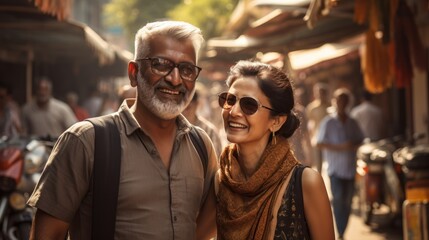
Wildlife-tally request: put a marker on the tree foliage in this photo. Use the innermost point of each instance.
(209, 15)
(131, 15)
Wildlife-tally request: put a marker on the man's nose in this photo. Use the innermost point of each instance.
(174, 77)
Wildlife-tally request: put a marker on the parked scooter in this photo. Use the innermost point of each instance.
(415, 165)
(21, 162)
(379, 180)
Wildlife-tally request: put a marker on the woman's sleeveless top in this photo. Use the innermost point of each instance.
(291, 222)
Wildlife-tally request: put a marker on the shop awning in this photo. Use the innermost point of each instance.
(280, 26)
(28, 31)
(37, 39)
(305, 58)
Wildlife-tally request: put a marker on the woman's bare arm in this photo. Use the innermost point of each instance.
(317, 206)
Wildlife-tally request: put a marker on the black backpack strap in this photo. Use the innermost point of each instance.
(201, 148)
(106, 173)
(298, 190)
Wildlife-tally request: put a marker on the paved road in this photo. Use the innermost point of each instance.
(379, 229)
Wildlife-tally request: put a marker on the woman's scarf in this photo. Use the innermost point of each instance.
(244, 206)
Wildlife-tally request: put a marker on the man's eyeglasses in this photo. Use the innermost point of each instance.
(248, 105)
(162, 67)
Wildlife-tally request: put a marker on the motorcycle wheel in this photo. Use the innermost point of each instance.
(366, 213)
(395, 209)
(24, 231)
(365, 208)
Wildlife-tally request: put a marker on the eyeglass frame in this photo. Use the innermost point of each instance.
(175, 65)
(237, 99)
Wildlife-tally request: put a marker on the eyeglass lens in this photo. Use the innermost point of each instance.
(247, 104)
(163, 67)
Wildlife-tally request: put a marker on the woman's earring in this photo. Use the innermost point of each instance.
(273, 138)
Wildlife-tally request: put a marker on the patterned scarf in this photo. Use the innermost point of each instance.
(244, 206)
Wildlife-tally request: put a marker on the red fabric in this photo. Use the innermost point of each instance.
(408, 46)
(80, 113)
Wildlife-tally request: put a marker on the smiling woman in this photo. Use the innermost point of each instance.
(261, 188)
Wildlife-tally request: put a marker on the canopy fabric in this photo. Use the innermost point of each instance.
(59, 8)
(26, 29)
(283, 29)
(305, 58)
(35, 43)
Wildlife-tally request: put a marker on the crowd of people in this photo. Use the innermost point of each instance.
(262, 178)
(47, 116)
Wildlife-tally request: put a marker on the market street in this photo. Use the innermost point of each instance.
(357, 230)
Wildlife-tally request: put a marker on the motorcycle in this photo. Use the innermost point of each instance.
(379, 179)
(21, 163)
(414, 160)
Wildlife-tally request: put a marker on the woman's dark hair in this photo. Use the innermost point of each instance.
(275, 84)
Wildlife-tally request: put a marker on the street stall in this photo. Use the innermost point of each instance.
(375, 45)
(38, 39)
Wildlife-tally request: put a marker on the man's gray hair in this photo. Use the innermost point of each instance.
(175, 29)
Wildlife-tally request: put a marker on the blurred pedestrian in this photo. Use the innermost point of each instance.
(10, 121)
(261, 187)
(94, 102)
(72, 100)
(369, 117)
(339, 137)
(126, 91)
(110, 104)
(46, 116)
(191, 113)
(300, 141)
(165, 192)
(315, 111)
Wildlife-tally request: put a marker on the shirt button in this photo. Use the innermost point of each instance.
(175, 218)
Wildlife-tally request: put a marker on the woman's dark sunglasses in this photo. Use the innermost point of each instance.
(248, 105)
(163, 67)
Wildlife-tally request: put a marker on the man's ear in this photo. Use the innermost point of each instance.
(132, 73)
(278, 122)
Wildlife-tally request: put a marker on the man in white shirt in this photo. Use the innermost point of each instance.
(369, 117)
(46, 115)
(315, 111)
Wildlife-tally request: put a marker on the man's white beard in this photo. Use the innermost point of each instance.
(164, 110)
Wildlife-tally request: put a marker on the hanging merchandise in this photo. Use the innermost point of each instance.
(408, 46)
(393, 44)
(361, 11)
(376, 59)
(375, 65)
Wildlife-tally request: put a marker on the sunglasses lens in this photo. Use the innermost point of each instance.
(226, 101)
(249, 105)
